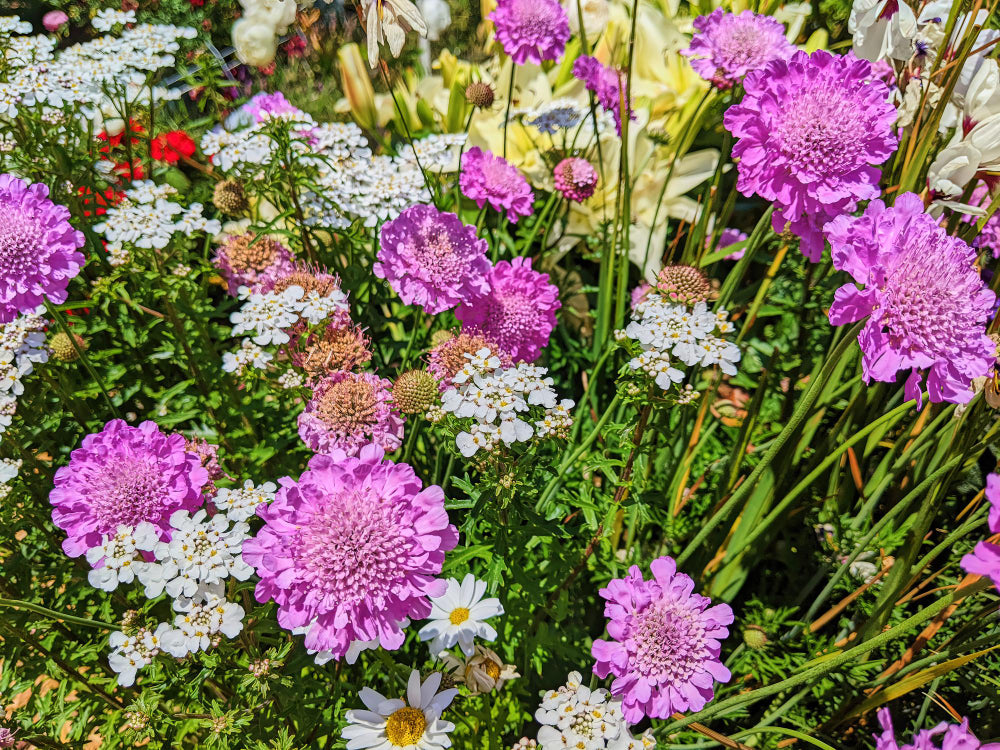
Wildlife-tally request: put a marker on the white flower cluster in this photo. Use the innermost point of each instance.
(22, 344)
(667, 330)
(9, 468)
(191, 565)
(146, 218)
(242, 152)
(438, 153)
(268, 317)
(107, 18)
(513, 405)
(80, 74)
(255, 34)
(574, 716)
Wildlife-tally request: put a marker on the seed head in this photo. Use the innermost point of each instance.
(415, 391)
(63, 349)
(230, 197)
(479, 94)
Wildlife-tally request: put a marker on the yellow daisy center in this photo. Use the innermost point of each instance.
(405, 726)
(492, 669)
(458, 615)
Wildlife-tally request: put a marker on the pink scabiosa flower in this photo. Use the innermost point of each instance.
(639, 294)
(984, 560)
(575, 178)
(352, 548)
(729, 237)
(519, 312)
(252, 260)
(607, 85)
(665, 649)
(925, 301)
(487, 177)
(123, 476)
(952, 737)
(39, 249)
(810, 130)
(531, 30)
(727, 46)
(430, 258)
(349, 410)
(53, 21)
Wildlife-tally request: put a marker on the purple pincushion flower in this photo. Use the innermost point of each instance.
(984, 560)
(518, 313)
(252, 260)
(348, 411)
(531, 30)
(575, 179)
(729, 236)
(953, 737)
(924, 299)
(487, 177)
(262, 106)
(664, 652)
(607, 84)
(810, 130)
(989, 237)
(430, 258)
(351, 548)
(39, 248)
(123, 476)
(730, 45)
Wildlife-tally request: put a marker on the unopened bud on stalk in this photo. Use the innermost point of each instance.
(230, 197)
(480, 94)
(63, 349)
(755, 637)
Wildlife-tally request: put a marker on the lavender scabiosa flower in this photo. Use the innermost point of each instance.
(352, 549)
(575, 179)
(924, 299)
(953, 737)
(729, 237)
(727, 46)
(487, 177)
(810, 131)
(124, 476)
(252, 260)
(531, 30)
(989, 237)
(39, 248)
(519, 312)
(607, 85)
(430, 258)
(984, 560)
(665, 649)
(350, 410)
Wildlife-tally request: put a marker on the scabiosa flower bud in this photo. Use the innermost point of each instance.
(230, 197)
(63, 349)
(755, 637)
(479, 94)
(575, 178)
(340, 345)
(440, 336)
(251, 260)
(349, 411)
(684, 284)
(414, 392)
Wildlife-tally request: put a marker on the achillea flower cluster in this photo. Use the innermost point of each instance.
(607, 85)
(39, 248)
(810, 130)
(531, 30)
(575, 179)
(664, 652)
(252, 260)
(432, 259)
(351, 549)
(924, 299)
(448, 358)
(487, 177)
(984, 560)
(349, 411)
(952, 737)
(518, 313)
(727, 46)
(124, 476)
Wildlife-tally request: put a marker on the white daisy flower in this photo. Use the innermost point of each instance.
(459, 615)
(411, 724)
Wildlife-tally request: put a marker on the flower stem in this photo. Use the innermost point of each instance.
(61, 321)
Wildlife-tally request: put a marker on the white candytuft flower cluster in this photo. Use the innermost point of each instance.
(9, 469)
(514, 405)
(191, 566)
(248, 355)
(146, 218)
(671, 334)
(574, 716)
(39, 77)
(22, 345)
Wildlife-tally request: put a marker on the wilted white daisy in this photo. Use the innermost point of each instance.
(483, 673)
(411, 724)
(459, 615)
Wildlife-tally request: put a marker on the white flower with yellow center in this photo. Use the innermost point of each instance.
(394, 724)
(459, 615)
(483, 673)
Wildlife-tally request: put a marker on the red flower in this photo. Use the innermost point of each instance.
(170, 147)
(116, 140)
(98, 201)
